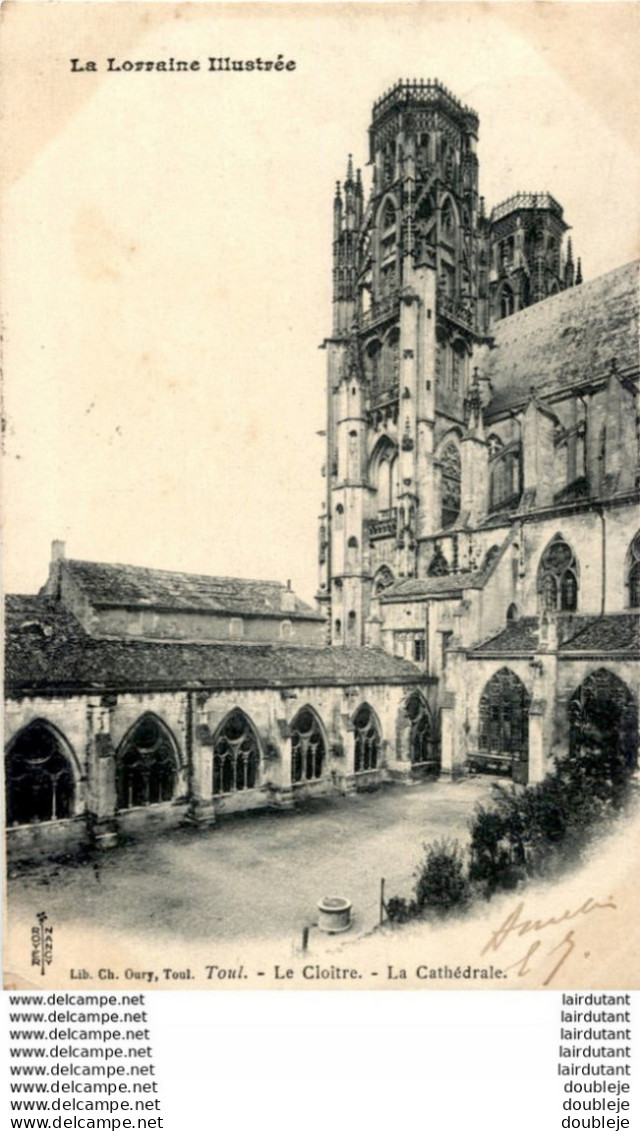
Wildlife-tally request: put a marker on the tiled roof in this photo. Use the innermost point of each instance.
(518, 636)
(447, 585)
(619, 633)
(138, 587)
(568, 338)
(46, 647)
(577, 635)
(450, 585)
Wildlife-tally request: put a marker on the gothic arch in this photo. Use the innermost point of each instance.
(367, 739)
(503, 725)
(422, 737)
(603, 713)
(450, 483)
(308, 746)
(383, 579)
(372, 356)
(632, 573)
(558, 580)
(237, 754)
(383, 470)
(388, 204)
(42, 772)
(505, 301)
(147, 763)
(448, 204)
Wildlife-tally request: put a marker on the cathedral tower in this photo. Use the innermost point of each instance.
(420, 273)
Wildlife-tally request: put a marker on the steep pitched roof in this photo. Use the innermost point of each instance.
(568, 338)
(47, 648)
(108, 585)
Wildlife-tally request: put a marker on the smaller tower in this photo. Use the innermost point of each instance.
(525, 241)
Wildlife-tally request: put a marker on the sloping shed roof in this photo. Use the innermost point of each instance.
(577, 635)
(129, 586)
(568, 338)
(47, 648)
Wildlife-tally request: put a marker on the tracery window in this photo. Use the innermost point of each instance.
(633, 573)
(367, 739)
(603, 713)
(308, 751)
(422, 742)
(450, 475)
(504, 716)
(146, 767)
(558, 577)
(39, 777)
(236, 755)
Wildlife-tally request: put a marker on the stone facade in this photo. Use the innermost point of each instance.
(482, 462)
(112, 736)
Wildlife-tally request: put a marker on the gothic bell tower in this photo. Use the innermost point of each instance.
(407, 309)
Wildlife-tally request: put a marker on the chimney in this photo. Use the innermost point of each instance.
(288, 599)
(57, 551)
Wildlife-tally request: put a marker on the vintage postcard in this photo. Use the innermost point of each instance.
(320, 512)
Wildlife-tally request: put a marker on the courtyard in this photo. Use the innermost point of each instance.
(258, 874)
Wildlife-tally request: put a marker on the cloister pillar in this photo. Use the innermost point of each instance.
(101, 774)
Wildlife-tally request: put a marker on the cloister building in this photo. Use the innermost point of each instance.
(479, 599)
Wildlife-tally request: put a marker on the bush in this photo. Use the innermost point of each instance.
(400, 910)
(531, 831)
(441, 880)
(537, 830)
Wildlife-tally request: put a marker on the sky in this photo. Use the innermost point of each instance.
(166, 240)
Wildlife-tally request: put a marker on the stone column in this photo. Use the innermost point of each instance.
(537, 759)
(282, 792)
(202, 810)
(347, 781)
(102, 823)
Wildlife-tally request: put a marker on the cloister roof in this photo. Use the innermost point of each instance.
(577, 636)
(47, 649)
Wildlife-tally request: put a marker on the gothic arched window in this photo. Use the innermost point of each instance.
(450, 474)
(236, 755)
(146, 765)
(367, 739)
(39, 777)
(504, 716)
(603, 714)
(504, 478)
(372, 364)
(633, 573)
(422, 741)
(308, 750)
(558, 577)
